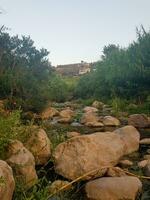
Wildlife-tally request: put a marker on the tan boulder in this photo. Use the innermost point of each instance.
(22, 162)
(142, 163)
(138, 121)
(91, 119)
(110, 121)
(113, 188)
(115, 172)
(130, 137)
(83, 154)
(49, 112)
(72, 134)
(145, 141)
(66, 116)
(39, 145)
(7, 183)
(98, 104)
(90, 109)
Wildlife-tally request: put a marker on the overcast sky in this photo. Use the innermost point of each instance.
(75, 30)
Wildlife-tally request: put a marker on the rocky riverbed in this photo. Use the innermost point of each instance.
(85, 144)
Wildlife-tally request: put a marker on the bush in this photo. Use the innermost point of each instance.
(58, 89)
(8, 130)
(121, 72)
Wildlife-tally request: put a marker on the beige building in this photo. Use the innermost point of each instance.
(75, 69)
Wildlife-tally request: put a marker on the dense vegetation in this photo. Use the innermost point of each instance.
(26, 76)
(121, 73)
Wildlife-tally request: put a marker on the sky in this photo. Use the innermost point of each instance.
(75, 30)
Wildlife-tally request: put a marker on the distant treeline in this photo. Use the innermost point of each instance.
(121, 72)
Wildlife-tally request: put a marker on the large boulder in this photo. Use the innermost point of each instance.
(22, 162)
(139, 121)
(49, 112)
(40, 146)
(66, 116)
(83, 154)
(113, 188)
(91, 119)
(7, 183)
(110, 121)
(130, 137)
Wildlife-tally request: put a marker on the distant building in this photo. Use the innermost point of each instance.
(75, 69)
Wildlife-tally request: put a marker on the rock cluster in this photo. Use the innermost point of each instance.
(100, 150)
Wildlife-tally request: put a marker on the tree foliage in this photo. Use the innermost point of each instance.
(121, 72)
(26, 77)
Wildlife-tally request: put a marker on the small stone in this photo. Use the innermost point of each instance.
(72, 134)
(66, 116)
(125, 163)
(148, 151)
(115, 172)
(145, 141)
(147, 157)
(142, 163)
(97, 104)
(111, 121)
(147, 169)
(57, 185)
(48, 113)
(90, 109)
